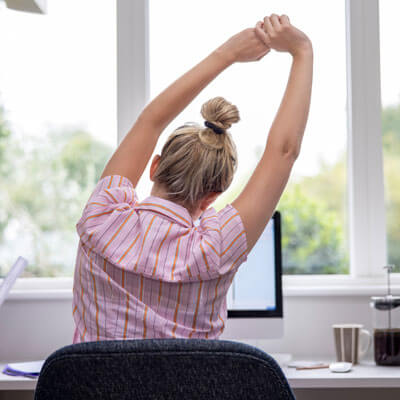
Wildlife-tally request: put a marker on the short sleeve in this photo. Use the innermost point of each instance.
(225, 238)
(107, 214)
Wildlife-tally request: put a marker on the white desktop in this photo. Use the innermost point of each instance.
(255, 298)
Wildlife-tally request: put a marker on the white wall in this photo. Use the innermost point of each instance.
(32, 329)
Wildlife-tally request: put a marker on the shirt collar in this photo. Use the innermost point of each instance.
(166, 207)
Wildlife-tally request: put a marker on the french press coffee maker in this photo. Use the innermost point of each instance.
(386, 320)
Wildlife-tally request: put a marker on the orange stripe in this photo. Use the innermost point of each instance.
(141, 288)
(211, 229)
(188, 270)
(197, 308)
(216, 252)
(124, 197)
(83, 304)
(90, 250)
(144, 322)
(176, 253)
(128, 249)
(105, 270)
(117, 231)
(126, 314)
(159, 292)
(120, 181)
(158, 252)
(204, 256)
(95, 299)
(233, 241)
(167, 209)
(212, 307)
(144, 239)
(98, 215)
(223, 324)
(177, 308)
(109, 183)
(110, 194)
(236, 260)
(73, 312)
(123, 278)
(176, 256)
(98, 204)
(233, 216)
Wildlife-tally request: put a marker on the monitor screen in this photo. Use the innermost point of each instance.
(257, 284)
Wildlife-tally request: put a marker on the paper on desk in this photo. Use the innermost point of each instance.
(11, 277)
(307, 364)
(28, 369)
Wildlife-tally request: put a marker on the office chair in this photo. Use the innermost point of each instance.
(161, 369)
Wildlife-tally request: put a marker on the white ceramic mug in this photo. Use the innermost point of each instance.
(348, 338)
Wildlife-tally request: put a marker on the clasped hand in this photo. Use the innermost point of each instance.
(274, 32)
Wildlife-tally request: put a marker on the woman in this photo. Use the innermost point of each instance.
(144, 269)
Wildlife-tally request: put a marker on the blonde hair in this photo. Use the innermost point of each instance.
(195, 160)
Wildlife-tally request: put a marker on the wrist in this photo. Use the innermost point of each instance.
(226, 56)
(304, 51)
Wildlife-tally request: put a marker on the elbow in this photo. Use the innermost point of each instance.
(290, 151)
(284, 150)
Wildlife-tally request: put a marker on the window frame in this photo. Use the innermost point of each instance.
(367, 225)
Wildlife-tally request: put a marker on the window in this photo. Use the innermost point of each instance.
(58, 107)
(390, 89)
(314, 205)
(57, 126)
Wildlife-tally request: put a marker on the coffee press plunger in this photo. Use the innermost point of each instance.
(386, 320)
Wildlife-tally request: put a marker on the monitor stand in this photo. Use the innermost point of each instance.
(253, 328)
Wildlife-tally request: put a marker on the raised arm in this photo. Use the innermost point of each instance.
(132, 155)
(257, 202)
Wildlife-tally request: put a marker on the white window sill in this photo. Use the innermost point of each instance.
(293, 286)
(338, 285)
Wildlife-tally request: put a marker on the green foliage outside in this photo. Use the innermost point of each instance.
(46, 182)
(391, 149)
(312, 235)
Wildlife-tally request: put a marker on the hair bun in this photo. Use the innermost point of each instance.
(220, 112)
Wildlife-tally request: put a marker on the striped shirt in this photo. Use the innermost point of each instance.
(146, 270)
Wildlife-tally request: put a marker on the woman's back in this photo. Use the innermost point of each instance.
(144, 270)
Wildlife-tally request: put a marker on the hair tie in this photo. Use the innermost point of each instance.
(215, 128)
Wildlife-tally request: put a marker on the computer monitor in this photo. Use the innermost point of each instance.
(255, 298)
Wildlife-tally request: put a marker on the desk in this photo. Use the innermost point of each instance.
(8, 382)
(365, 375)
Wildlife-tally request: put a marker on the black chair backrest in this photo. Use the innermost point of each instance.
(161, 369)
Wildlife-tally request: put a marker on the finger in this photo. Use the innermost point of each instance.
(268, 28)
(284, 19)
(260, 33)
(275, 22)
